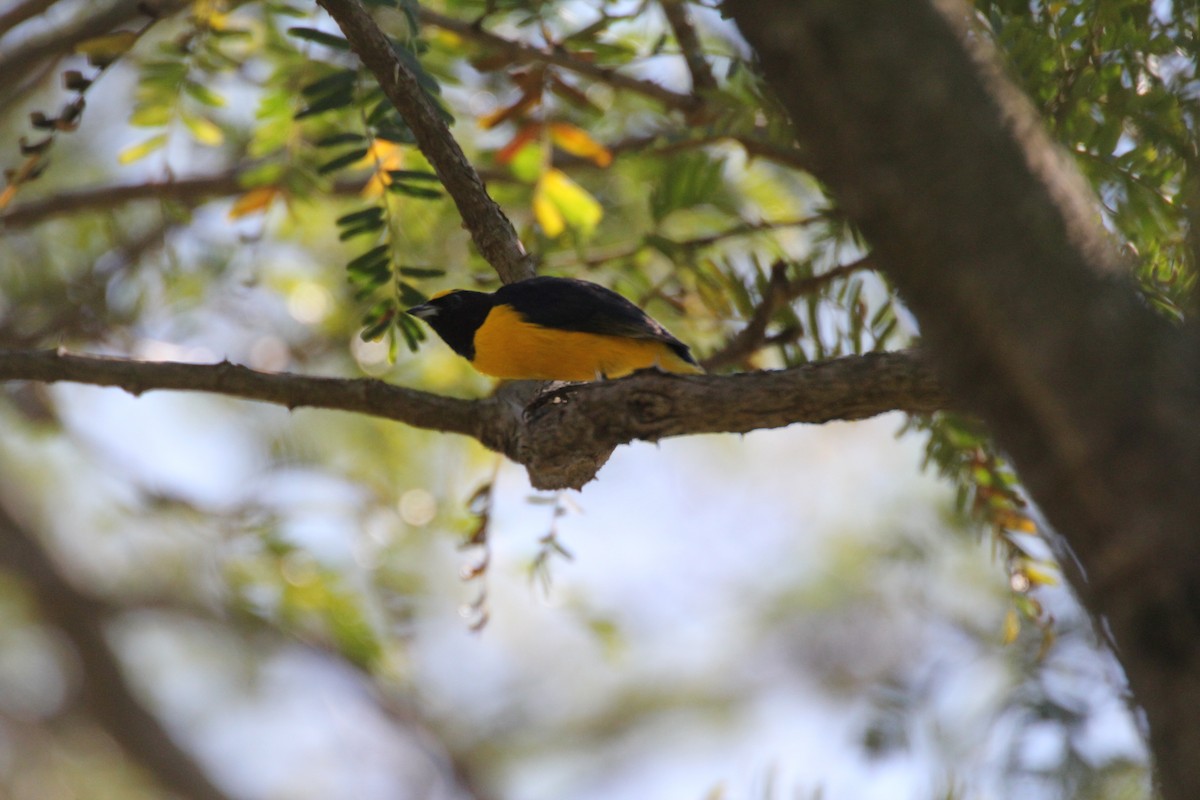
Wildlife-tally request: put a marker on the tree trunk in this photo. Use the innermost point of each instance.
(1025, 308)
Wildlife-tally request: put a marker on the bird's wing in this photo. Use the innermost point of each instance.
(575, 305)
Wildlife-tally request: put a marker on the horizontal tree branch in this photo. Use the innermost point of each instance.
(491, 230)
(562, 438)
(189, 191)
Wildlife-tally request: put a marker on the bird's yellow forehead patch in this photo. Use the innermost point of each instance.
(443, 293)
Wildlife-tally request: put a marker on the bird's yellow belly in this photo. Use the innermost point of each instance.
(508, 347)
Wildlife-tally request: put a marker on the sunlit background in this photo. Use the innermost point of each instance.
(799, 613)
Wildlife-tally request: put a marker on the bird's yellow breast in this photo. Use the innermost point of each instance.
(506, 346)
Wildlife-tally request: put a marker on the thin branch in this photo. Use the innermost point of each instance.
(21, 12)
(34, 52)
(780, 291)
(188, 191)
(685, 33)
(493, 233)
(68, 120)
(105, 691)
(522, 53)
(743, 229)
(562, 439)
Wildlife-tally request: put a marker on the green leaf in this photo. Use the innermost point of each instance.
(409, 296)
(340, 81)
(150, 116)
(337, 139)
(203, 94)
(344, 160)
(414, 191)
(370, 258)
(422, 272)
(413, 333)
(204, 130)
(370, 214)
(139, 151)
(366, 227)
(320, 37)
(688, 181)
(412, 175)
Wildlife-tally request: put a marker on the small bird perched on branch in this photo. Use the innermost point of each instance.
(553, 329)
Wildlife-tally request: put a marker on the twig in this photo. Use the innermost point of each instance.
(35, 154)
(695, 243)
(522, 53)
(490, 228)
(105, 691)
(33, 53)
(685, 33)
(780, 291)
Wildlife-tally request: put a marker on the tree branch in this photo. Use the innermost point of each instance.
(21, 12)
(996, 245)
(780, 291)
(685, 34)
(490, 228)
(522, 53)
(563, 438)
(105, 691)
(189, 191)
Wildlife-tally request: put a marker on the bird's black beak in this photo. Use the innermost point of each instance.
(423, 311)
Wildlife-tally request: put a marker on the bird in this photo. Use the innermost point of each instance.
(553, 329)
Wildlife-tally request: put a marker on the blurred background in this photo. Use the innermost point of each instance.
(853, 610)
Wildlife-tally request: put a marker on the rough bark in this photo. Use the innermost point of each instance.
(995, 243)
(562, 438)
(490, 229)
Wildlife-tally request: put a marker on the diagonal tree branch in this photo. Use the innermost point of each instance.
(564, 438)
(105, 691)
(490, 228)
(685, 33)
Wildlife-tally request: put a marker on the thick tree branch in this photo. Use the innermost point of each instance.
(564, 438)
(996, 245)
(522, 53)
(492, 232)
(105, 692)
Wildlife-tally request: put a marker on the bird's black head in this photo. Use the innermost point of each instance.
(455, 316)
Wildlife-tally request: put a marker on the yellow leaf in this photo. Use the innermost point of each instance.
(577, 142)
(1039, 576)
(381, 156)
(140, 150)
(108, 46)
(547, 214)
(253, 201)
(1012, 627)
(572, 203)
(204, 130)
